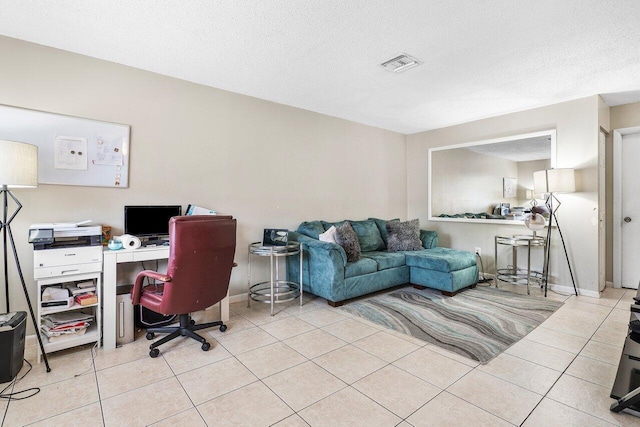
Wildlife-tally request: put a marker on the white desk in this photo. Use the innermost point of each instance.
(109, 282)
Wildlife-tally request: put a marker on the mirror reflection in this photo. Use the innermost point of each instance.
(488, 180)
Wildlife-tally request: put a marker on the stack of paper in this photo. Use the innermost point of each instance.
(78, 289)
(65, 324)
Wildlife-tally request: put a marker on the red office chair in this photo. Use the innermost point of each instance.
(201, 252)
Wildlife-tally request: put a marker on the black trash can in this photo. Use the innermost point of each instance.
(12, 336)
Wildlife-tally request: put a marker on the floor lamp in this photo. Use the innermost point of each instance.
(551, 182)
(18, 169)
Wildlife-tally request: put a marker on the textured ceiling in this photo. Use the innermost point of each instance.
(519, 150)
(479, 58)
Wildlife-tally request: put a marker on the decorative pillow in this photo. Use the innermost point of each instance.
(329, 235)
(366, 230)
(403, 236)
(348, 239)
(382, 228)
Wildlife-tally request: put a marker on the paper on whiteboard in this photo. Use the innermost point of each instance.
(108, 150)
(70, 153)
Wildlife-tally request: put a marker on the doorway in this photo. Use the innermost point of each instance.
(626, 207)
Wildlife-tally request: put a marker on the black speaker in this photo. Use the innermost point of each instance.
(12, 333)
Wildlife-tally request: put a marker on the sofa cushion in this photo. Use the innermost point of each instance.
(327, 225)
(360, 267)
(403, 236)
(347, 238)
(386, 260)
(311, 229)
(441, 259)
(366, 230)
(382, 228)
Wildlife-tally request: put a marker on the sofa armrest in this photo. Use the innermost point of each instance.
(323, 267)
(429, 239)
(331, 250)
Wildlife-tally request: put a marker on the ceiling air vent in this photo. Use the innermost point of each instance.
(400, 63)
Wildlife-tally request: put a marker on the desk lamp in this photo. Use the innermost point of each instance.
(18, 169)
(551, 182)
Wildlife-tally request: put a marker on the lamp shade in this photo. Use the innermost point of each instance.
(18, 164)
(554, 181)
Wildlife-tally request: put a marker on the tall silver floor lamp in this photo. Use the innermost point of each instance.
(18, 169)
(551, 182)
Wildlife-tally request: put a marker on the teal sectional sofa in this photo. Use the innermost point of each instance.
(327, 274)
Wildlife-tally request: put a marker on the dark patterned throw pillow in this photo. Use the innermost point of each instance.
(403, 236)
(348, 239)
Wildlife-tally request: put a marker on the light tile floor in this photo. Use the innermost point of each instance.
(316, 365)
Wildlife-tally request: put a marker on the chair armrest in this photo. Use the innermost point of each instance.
(137, 286)
(429, 239)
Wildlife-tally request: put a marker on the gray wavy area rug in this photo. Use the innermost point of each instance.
(478, 323)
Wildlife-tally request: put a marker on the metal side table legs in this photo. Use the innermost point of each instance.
(275, 290)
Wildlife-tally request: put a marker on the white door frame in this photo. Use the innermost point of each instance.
(602, 235)
(617, 201)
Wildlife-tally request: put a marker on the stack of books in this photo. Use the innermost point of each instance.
(83, 292)
(62, 325)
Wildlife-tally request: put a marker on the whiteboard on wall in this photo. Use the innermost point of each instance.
(71, 150)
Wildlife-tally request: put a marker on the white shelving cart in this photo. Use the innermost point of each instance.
(92, 334)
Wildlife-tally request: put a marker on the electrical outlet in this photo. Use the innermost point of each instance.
(479, 251)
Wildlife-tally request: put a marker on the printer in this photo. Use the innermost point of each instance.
(61, 249)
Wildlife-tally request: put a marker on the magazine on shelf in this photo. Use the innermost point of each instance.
(55, 338)
(46, 324)
(85, 285)
(77, 291)
(58, 319)
(72, 331)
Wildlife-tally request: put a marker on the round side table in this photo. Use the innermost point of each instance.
(514, 275)
(275, 290)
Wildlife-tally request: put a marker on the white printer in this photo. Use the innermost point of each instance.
(61, 249)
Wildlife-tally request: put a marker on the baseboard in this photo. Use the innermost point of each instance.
(30, 340)
(569, 291)
(238, 298)
(608, 284)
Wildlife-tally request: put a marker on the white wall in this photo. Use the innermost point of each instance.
(576, 123)
(267, 164)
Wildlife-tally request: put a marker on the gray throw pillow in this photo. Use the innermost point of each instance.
(403, 236)
(348, 239)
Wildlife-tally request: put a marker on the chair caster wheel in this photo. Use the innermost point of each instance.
(150, 336)
(193, 322)
(154, 353)
(206, 346)
(223, 328)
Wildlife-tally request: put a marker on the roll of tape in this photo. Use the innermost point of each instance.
(129, 241)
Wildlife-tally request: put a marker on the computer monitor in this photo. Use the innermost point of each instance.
(149, 221)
